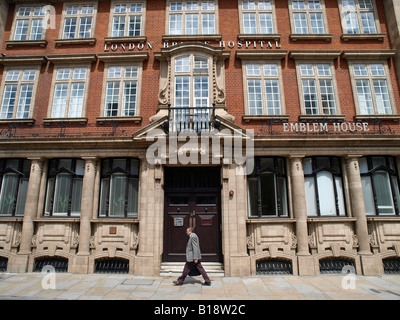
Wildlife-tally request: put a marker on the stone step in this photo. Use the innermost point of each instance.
(174, 269)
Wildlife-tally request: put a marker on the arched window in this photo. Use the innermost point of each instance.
(267, 188)
(64, 187)
(119, 188)
(324, 186)
(192, 93)
(14, 178)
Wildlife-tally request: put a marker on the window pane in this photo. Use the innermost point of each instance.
(255, 97)
(129, 108)
(22, 191)
(76, 197)
(9, 97)
(327, 97)
(105, 184)
(61, 194)
(283, 196)
(382, 97)
(268, 194)
(60, 100)
(208, 23)
(273, 97)
(192, 24)
(85, 28)
(117, 195)
(25, 100)
(49, 194)
(182, 64)
(326, 193)
(252, 196)
(133, 197)
(21, 30)
(69, 28)
(135, 23)
(310, 96)
(364, 97)
(311, 199)
(36, 29)
(368, 22)
(384, 197)
(118, 26)
(249, 23)
(175, 24)
(351, 23)
(368, 195)
(266, 25)
(317, 23)
(112, 99)
(300, 23)
(76, 100)
(8, 193)
(340, 195)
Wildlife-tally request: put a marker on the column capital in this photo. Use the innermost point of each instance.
(353, 156)
(294, 156)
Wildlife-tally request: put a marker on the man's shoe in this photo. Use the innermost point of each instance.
(206, 284)
(178, 283)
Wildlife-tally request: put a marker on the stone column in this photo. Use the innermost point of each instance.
(370, 264)
(357, 204)
(32, 197)
(82, 259)
(306, 262)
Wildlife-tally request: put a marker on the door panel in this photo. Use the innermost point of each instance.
(198, 210)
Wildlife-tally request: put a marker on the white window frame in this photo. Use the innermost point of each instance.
(358, 11)
(79, 15)
(317, 77)
(127, 15)
(186, 11)
(263, 77)
(20, 82)
(110, 76)
(74, 77)
(35, 13)
(370, 78)
(308, 11)
(257, 9)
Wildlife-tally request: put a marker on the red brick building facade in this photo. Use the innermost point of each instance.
(311, 84)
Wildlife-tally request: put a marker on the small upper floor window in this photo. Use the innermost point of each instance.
(122, 90)
(70, 92)
(18, 92)
(359, 17)
(127, 19)
(308, 16)
(372, 88)
(28, 23)
(318, 92)
(264, 88)
(192, 17)
(78, 21)
(257, 16)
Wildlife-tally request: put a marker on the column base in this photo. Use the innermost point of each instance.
(306, 265)
(80, 264)
(371, 265)
(238, 266)
(18, 264)
(146, 266)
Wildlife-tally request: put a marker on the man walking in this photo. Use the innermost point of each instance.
(193, 256)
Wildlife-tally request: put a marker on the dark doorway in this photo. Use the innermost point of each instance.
(192, 198)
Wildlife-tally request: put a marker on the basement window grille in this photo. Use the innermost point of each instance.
(3, 264)
(274, 266)
(334, 265)
(391, 265)
(114, 265)
(59, 264)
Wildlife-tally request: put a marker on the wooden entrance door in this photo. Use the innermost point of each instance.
(191, 207)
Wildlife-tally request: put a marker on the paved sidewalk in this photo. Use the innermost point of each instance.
(29, 286)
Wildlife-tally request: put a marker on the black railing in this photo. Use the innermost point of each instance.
(197, 119)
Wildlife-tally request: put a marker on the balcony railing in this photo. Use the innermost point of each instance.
(197, 119)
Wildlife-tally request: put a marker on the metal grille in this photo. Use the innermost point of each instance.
(59, 264)
(114, 265)
(334, 265)
(391, 265)
(3, 264)
(274, 266)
